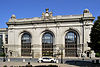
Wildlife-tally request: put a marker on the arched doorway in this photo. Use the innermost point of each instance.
(47, 44)
(26, 44)
(71, 44)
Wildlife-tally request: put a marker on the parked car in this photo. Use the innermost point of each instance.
(47, 59)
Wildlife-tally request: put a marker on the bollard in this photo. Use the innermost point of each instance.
(4, 59)
(57, 61)
(28, 65)
(23, 60)
(8, 60)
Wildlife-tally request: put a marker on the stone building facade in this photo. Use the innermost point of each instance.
(3, 40)
(48, 35)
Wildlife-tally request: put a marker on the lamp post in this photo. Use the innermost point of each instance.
(90, 53)
(32, 53)
(60, 53)
(62, 48)
(79, 50)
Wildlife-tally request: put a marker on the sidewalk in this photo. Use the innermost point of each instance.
(33, 64)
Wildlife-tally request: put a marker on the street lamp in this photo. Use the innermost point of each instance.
(32, 53)
(62, 48)
(60, 53)
(79, 50)
(90, 53)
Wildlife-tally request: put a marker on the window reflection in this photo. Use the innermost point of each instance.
(26, 44)
(70, 38)
(47, 44)
(26, 38)
(47, 38)
(71, 44)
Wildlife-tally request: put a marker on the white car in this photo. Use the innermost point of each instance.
(47, 59)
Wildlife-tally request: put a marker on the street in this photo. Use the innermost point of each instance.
(75, 62)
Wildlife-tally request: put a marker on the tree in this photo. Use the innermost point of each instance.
(95, 36)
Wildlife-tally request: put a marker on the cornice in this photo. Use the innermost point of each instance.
(45, 21)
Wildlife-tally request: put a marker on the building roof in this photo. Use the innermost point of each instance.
(47, 17)
(3, 29)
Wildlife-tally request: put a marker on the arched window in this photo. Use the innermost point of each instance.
(71, 44)
(26, 44)
(47, 44)
(71, 38)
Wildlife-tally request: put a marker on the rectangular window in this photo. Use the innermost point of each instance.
(1, 43)
(1, 40)
(6, 39)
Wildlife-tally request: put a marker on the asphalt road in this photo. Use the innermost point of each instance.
(68, 62)
(35, 60)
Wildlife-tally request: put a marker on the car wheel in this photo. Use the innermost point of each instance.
(41, 61)
(52, 61)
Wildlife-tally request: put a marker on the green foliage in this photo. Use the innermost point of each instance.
(5, 66)
(2, 54)
(95, 36)
(97, 54)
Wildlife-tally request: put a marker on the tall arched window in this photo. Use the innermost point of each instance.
(47, 44)
(26, 44)
(71, 44)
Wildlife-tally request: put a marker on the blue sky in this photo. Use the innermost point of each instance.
(34, 8)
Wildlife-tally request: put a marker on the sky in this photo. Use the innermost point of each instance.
(34, 8)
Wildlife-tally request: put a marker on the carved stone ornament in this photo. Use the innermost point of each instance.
(47, 15)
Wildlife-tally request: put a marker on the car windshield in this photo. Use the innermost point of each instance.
(46, 58)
